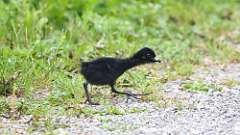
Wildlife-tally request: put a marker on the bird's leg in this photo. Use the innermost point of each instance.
(125, 93)
(87, 94)
(144, 94)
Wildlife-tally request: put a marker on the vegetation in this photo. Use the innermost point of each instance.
(43, 42)
(200, 86)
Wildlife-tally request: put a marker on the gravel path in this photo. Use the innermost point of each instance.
(207, 113)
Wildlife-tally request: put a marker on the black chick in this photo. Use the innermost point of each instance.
(106, 70)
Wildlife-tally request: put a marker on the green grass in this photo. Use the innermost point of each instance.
(231, 83)
(4, 107)
(200, 86)
(46, 40)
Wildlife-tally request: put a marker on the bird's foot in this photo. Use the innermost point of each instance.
(144, 94)
(114, 95)
(91, 103)
(129, 94)
(94, 103)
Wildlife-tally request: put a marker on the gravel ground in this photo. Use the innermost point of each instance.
(207, 113)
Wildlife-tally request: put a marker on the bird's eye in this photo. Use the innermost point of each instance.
(148, 54)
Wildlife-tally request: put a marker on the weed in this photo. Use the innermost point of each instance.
(230, 83)
(4, 106)
(22, 106)
(185, 70)
(200, 86)
(112, 110)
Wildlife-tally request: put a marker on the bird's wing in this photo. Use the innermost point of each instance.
(100, 65)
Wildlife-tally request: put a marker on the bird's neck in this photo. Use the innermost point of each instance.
(130, 63)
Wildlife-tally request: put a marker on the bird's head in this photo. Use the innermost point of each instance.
(146, 55)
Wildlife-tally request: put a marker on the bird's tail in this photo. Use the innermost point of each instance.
(83, 67)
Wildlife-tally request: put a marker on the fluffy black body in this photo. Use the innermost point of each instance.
(106, 70)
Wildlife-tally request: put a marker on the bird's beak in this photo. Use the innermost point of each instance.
(154, 60)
